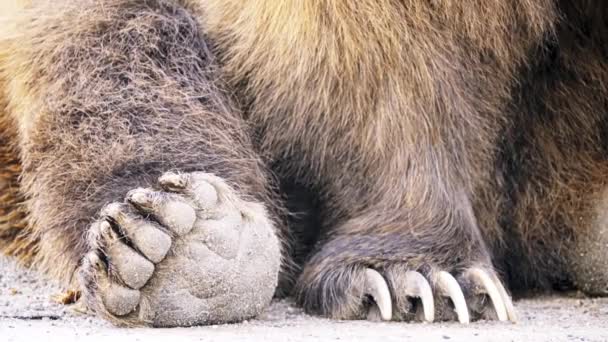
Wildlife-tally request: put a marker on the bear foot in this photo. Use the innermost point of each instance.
(395, 292)
(194, 253)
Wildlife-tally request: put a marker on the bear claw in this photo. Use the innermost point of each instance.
(476, 281)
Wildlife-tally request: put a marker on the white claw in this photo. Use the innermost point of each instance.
(449, 287)
(418, 286)
(480, 276)
(376, 287)
(506, 299)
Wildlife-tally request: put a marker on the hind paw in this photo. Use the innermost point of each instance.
(191, 253)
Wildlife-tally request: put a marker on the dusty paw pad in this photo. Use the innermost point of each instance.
(194, 253)
(130, 266)
(169, 210)
(119, 300)
(149, 237)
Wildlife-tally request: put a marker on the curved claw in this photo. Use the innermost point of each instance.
(376, 286)
(449, 287)
(511, 314)
(418, 286)
(480, 276)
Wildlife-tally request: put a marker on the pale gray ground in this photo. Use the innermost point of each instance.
(27, 314)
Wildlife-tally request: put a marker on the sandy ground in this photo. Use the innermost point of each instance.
(28, 314)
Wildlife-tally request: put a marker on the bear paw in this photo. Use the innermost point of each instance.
(194, 253)
(397, 293)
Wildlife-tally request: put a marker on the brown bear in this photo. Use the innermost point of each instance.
(180, 162)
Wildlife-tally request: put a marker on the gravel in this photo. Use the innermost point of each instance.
(28, 314)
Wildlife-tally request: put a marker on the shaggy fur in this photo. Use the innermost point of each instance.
(427, 135)
(123, 92)
(553, 166)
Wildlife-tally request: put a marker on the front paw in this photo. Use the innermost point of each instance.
(194, 253)
(393, 291)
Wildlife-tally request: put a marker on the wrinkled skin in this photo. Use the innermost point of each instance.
(203, 255)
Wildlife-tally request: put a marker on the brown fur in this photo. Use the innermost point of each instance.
(553, 164)
(14, 237)
(83, 143)
(419, 106)
(434, 135)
